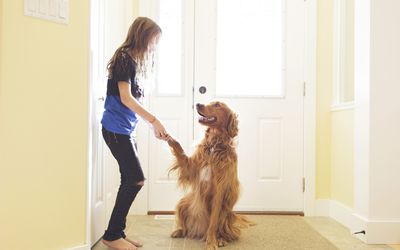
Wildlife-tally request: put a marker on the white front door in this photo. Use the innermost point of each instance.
(250, 55)
(172, 97)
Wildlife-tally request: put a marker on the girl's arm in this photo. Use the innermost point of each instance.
(129, 101)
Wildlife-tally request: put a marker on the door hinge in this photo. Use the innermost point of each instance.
(304, 88)
(304, 184)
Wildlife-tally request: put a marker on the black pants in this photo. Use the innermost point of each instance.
(123, 148)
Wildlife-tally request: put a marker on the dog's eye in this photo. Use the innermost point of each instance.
(216, 105)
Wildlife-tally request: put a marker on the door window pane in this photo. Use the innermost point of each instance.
(169, 68)
(250, 47)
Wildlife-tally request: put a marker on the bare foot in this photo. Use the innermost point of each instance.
(134, 242)
(119, 244)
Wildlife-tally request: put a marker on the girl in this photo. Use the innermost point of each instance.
(120, 118)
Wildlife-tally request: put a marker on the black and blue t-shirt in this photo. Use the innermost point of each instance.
(117, 117)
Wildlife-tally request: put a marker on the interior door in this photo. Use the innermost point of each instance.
(249, 54)
(97, 77)
(110, 21)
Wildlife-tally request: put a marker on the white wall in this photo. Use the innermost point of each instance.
(361, 98)
(385, 109)
(377, 120)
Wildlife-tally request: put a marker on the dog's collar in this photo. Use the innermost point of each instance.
(210, 148)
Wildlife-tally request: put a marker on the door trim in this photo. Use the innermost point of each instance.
(310, 105)
(89, 162)
(141, 205)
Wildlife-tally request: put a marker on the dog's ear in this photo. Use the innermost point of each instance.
(232, 125)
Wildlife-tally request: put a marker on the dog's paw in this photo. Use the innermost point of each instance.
(222, 242)
(175, 145)
(178, 234)
(212, 243)
(211, 247)
(172, 142)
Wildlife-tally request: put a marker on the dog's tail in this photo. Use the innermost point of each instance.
(242, 221)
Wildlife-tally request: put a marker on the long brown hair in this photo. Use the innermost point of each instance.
(141, 33)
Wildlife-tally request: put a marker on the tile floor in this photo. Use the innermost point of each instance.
(339, 235)
(155, 234)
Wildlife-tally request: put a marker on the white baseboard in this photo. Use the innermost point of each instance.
(83, 247)
(342, 214)
(335, 210)
(376, 231)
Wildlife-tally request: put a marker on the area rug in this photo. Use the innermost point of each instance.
(271, 232)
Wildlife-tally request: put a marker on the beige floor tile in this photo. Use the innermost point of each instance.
(154, 234)
(194, 244)
(100, 246)
(339, 235)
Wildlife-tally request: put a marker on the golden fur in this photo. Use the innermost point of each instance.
(211, 174)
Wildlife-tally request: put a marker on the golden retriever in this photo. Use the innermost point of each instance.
(211, 175)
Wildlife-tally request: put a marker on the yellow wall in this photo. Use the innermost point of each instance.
(43, 128)
(335, 142)
(342, 176)
(324, 97)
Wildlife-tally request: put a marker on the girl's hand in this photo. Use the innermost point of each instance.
(159, 130)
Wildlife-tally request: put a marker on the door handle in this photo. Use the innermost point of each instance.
(101, 98)
(202, 90)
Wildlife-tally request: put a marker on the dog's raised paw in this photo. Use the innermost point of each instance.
(178, 234)
(176, 146)
(173, 143)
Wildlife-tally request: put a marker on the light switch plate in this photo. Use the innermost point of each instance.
(51, 10)
(43, 7)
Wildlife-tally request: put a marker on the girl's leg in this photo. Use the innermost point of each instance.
(124, 151)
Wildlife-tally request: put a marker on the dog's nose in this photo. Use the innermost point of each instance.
(198, 105)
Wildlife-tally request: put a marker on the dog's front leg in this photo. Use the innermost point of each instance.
(177, 149)
(183, 164)
(211, 239)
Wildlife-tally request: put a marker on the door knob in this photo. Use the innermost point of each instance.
(202, 90)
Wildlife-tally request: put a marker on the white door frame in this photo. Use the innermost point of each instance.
(89, 161)
(87, 245)
(310, 104)
(141, 204)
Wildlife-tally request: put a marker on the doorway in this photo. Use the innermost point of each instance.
(250, 55)
(184, 129)
(109, 22)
